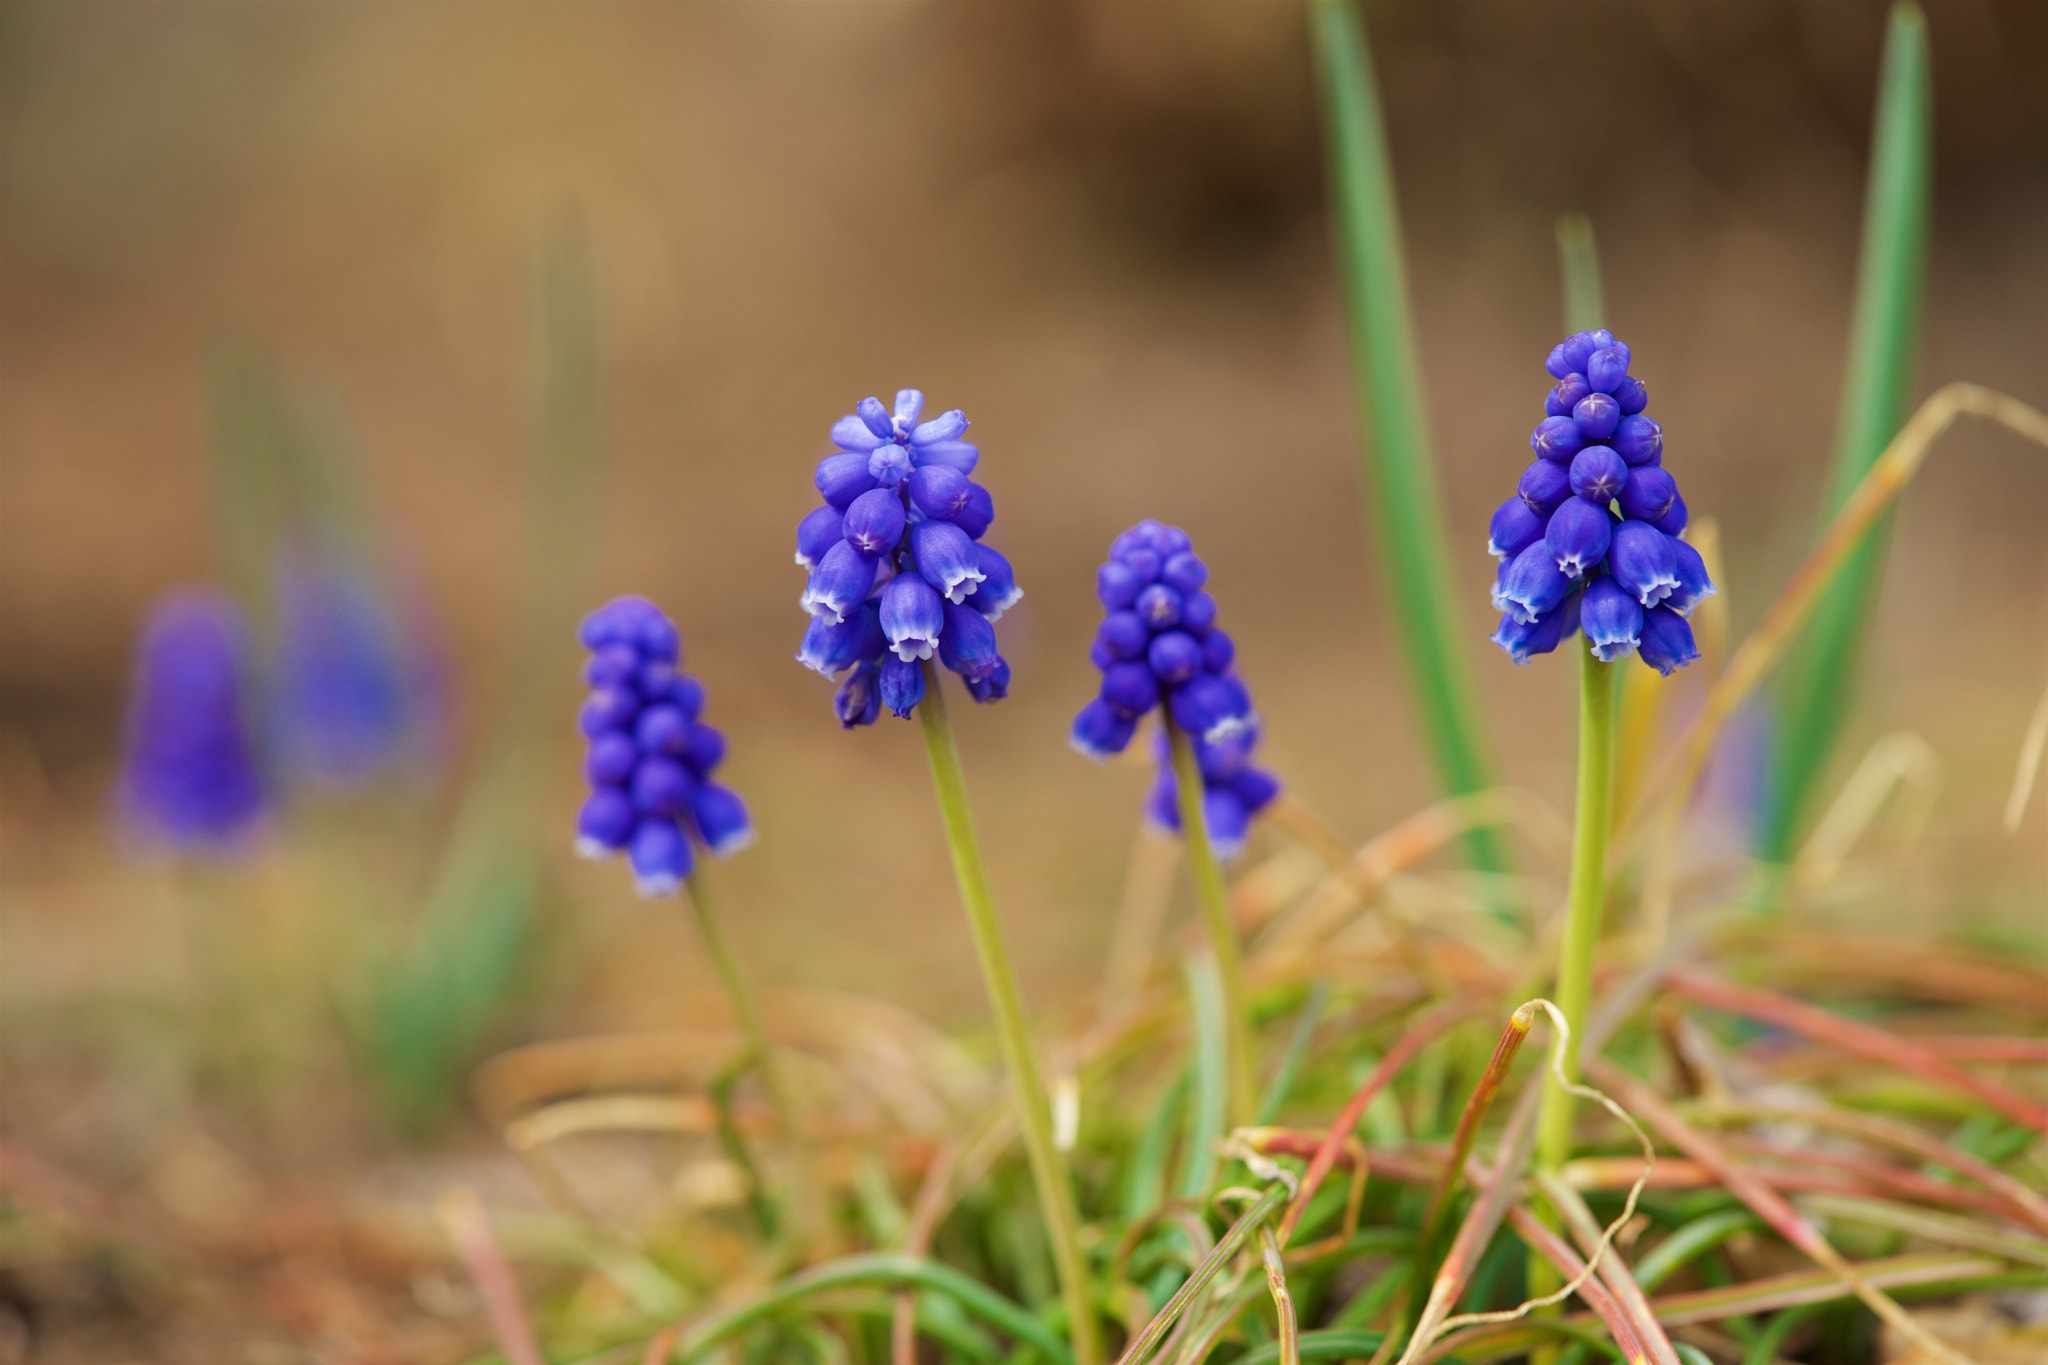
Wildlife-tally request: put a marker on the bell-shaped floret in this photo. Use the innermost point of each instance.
(859, 699)
(1612, 620)
(817, 533)
(1643, 563)
(661, 857)
(874, 522)
(1209, 708)
(1667, 641)
(1524, 640)
(840, 583)
(968, 643)
(605, 823)
(1577, 536)
(1694, 587)
(912, 615)
(1673, 523)
(902, 684)
(993, 687)
(946, 558)
(998, 591)
(1532, 584)
(1101, 730)
(721, 819)
(830, 646)
(1514, 528)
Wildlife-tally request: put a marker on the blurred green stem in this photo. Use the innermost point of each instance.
(1395, 461)
(1214, 899)
(1585, 898)
(1578, 256)
(977, 898)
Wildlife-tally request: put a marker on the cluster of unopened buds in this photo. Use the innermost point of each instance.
(1158, 645)
(650, 758)
(1591, 540)
(897, 571)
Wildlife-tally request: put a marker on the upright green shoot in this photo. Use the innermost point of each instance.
(1876, 386)
(1213, 898)
(1403, 507)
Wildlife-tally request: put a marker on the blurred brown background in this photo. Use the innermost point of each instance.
(1100, 228)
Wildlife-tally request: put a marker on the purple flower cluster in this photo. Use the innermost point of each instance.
(897, 571)
(650, 759)
(1590, 540)
(189, 773)
(1158, 642)
(1233, 791)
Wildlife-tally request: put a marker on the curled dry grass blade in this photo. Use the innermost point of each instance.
(1614, 1271)
(1878, 489)
(1865, 1040)
(1620, 1323)
(1766, 1203)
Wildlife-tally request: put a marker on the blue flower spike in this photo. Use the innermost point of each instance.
(650, 759)
(189, 776)
(897, 571)
(1158, 646)
(1590, 539)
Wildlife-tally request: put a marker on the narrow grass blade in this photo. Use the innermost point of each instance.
(1552, 1248)
(1211, 1094)
(1820, 672)
(1211, 1266)
(1396, 465)
(1614, 1271)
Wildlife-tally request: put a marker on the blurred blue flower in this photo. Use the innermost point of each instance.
(897, 575)
(189, 775)
(650, 759)
(1591, 538)
(1233, 791)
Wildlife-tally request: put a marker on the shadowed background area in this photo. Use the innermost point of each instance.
(1099, 228)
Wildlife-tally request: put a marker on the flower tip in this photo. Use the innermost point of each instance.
(736, 842)
(592, 850)
(657, 885)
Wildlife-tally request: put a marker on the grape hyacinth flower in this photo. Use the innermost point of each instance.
(650, 758)
(1590, 539)
(189, 777)
(897, 571)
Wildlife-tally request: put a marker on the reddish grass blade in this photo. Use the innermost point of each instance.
(468, 1225)
(1867, 1040)
(1620, 1325)
(2007, 1051)
(1419, 1033)
(1480, 1101)
(1774, 1292)
(1763, 1201)
(1614, 1272)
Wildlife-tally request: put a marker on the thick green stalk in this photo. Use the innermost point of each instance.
(1585, 898)
(1814, 698)
(1048, 1171)
(1214, 899)
(1578, 259)
(1396, 465)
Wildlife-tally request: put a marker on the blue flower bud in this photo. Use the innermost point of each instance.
(1198, 614)
(1131, 689)
(1144, 561)
(1228, 821)
(890, 464)
(960, 455)
(1642, 562)
(946, 558)
(912, 615)
(968, 643)
(655, 677)
(1124, 634)
(1579, 346)
(660, 729)
(1558, 363)
(1639, 440)
(1100, 730)
(1632, 396)
(1158, 606)
(1598, 474)
(998, 591)
(902, 685)
(657, 637)
(830, 646)
(1101, 655)
(609, 760)
(703, 750)
(1117, 584)
(605, 823)
(1596, 416)
(871, 411)
(721, 819)
(1545, 485)
(1208, 708)
(1667, 641)
(1612, 620)
(1557, 439)
(1532, 583)
(994, 687)
(947, 426)
(1577, 536)
(1565, 395)
(614, 666)
(1162, 803)
(850, 433)
(874, 522)
(687, 695)
(940, 491)
(607, 708)
(615, 623)
(1184, 572)
(1648, 493)
(909, 407)
(859, 699)
(1256, 788)
(1218, 650)
(1174, 657)
(1694, 587)
(1607, 368)
(841, 582)
(659, 786)
(660, 857)
(1524, 640)
(842, 478)
(979, 514)
(1171, 540)
(1514, 528)
(1672, 523)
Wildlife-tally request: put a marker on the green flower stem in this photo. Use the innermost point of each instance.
(1048, 1171)
(1214, 899)
(737, 988)
(1587, 895)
